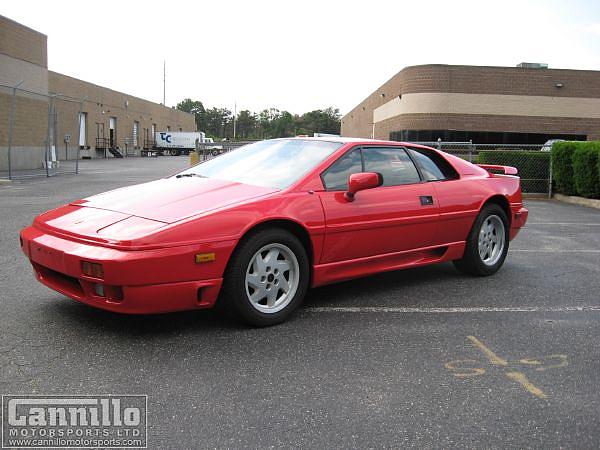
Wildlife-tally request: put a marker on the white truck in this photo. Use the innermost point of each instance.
(178, 142)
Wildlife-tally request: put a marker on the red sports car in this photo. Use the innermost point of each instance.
(256, 227)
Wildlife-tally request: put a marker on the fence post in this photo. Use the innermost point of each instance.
(11, 124)
(48, 137)
(550, 176)
(471, 150)
(78, 135)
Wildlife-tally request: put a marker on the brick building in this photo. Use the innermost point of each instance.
(485, 104)
(47, 106)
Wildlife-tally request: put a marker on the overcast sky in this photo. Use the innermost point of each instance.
(298, 55)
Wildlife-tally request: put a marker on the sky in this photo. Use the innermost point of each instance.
(298, 55)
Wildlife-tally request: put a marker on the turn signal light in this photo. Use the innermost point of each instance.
(91, 269)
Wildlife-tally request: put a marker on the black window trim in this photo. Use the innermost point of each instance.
(418, 165)
(362, 160)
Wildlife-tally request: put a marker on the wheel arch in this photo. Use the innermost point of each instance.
(293, 227)
(501, 201)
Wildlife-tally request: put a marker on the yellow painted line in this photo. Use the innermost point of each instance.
(520, 378)
(493, 358)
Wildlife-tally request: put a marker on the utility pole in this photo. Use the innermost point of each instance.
(234, 118)
(164, 82)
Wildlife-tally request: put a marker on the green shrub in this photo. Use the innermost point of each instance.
(562, 166)
(585, 169)
(533, 166)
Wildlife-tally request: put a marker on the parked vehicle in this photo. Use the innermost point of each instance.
(176, 143)
(548, 145)
(260, 225)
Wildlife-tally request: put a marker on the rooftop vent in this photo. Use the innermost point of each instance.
(526, 65)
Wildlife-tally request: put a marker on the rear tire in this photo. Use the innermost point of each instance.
(266, 279)
(487, 243)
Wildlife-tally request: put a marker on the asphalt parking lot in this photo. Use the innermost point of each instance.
(418, 358)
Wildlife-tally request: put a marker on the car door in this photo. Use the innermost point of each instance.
(457, 199)
(400, 215)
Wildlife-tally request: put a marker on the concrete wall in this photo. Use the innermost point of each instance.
(502, 99)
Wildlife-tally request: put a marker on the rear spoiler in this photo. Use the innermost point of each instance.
(508, 170)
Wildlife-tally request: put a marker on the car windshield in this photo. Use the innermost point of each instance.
(274, 163)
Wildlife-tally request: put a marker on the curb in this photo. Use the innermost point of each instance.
(5, 181)
(527, 195)
(581, 201)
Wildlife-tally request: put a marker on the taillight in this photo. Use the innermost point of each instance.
(91, 269)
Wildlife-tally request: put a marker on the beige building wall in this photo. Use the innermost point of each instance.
(100, 105)
(23, 59)
(472, 98)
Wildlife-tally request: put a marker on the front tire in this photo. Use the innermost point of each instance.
(267, 278)
(487, 243)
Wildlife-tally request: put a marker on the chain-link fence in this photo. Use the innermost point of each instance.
(38, 133)
(209, 150)
(533, 164)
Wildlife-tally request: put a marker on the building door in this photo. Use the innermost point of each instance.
(100, 142)
(82, 130)
(135, 134)
(112, 132)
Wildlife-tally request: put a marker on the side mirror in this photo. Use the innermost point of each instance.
(361, 181)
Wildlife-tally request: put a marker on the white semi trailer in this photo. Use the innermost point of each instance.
(178, 142)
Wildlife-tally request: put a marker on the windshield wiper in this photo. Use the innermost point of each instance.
(181, 175)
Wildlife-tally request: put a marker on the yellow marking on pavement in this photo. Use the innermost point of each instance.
(494, 359)
(520, 378)
(560, 361)
(467, 368)
(464, 372)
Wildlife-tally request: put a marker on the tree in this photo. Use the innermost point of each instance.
(269, 123)
(196, 108)
(246, 124)
(320, 121)
(217, 120)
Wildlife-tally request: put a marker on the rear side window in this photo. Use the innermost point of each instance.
(432, 165)
(336, 177)
(392, 163)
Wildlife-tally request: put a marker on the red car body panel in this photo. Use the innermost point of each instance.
(147, 236)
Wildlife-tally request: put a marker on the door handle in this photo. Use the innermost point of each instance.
(426, 200)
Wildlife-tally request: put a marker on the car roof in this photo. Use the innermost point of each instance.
(355, 140)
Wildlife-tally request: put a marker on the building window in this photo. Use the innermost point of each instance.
(480, 137)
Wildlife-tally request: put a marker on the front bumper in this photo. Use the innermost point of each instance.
(135, 282)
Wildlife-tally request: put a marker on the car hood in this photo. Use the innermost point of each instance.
(172, 199)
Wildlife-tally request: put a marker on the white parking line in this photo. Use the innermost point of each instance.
(550, 250)
(451, 310)
(593, 224)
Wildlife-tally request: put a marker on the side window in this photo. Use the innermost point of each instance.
(336, 177)
(392, 163)
(433, 166)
